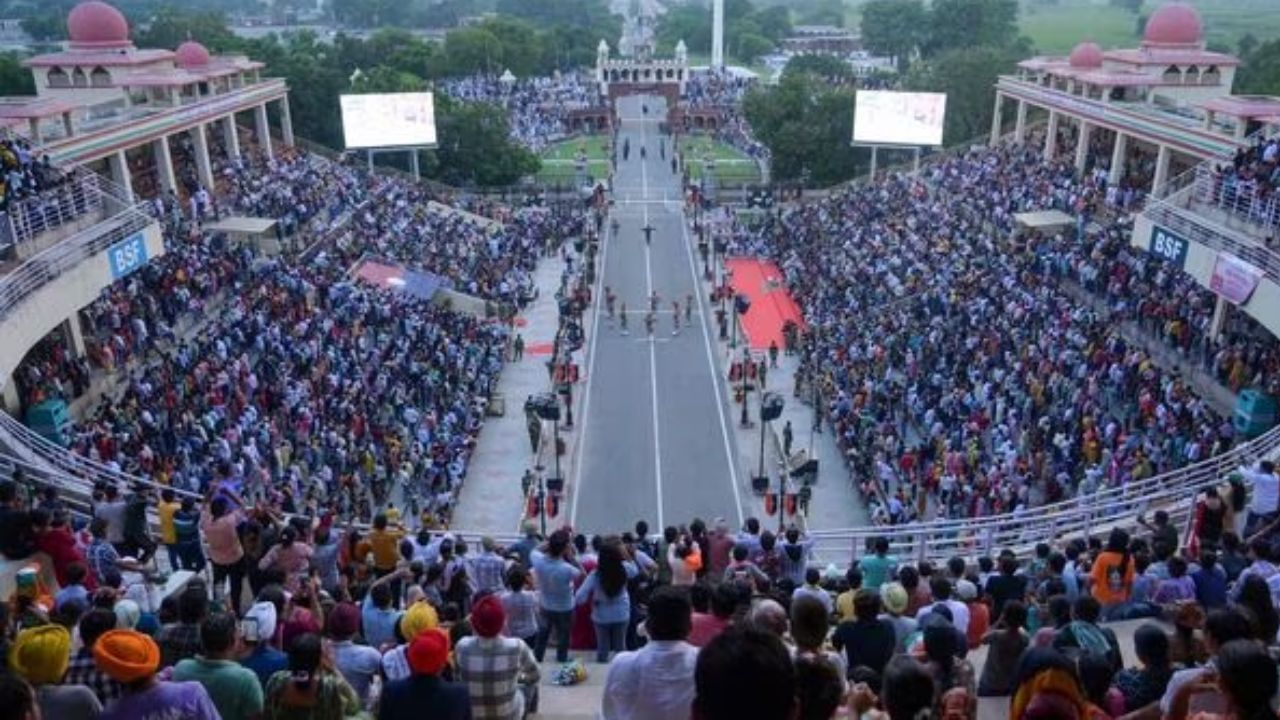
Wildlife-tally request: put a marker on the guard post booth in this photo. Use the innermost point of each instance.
(262, 234)
(1031, 225)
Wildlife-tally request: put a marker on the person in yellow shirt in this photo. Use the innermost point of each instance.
(844, 601)
(168, 533)
(383, 544)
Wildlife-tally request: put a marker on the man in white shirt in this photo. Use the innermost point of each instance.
(1264, 496)
(656, 681)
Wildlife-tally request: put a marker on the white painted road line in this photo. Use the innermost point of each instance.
(720, 400)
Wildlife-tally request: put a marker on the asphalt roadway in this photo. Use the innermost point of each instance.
(657, 437)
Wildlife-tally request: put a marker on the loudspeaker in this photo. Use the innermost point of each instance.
(760, 484)
(771, 405)
(555, 485)
(741, 304)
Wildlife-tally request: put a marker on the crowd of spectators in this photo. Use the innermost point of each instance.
(1247, 187)
(282, 375)
(703, 620)
(723, 91)
(538, 107)
(959, 374)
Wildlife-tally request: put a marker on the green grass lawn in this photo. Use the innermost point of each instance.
(732, 165)
(559, 162)
(1056, 29)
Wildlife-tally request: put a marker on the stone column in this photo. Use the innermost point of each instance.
(75, 336)
(1082, 145)
(1051, 135)
(1020, 125)
(1219, 317)
(996, 118)
(164, 163)
(230, 137)
(9, 395)
(717, 34)
(204, 167)
(1162, 172)
(33, 130)
(120, 173)
(286, 121)
(1117, 158)
(262, 128)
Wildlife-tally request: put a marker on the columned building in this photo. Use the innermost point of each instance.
(1168, 101)
(104, 104)
(1161, 120)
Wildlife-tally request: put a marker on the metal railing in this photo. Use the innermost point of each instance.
(47, 265)
(1096, 513)
(936, 541)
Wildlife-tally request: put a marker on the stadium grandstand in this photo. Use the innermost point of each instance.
(288, 436)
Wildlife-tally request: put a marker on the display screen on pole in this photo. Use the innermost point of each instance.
(882, 117)
(388, 120)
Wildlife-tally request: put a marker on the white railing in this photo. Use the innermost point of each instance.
(50, 263)
(81, 196)
(935, 541)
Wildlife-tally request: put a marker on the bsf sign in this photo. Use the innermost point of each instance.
(127, 255)
(1167, 246)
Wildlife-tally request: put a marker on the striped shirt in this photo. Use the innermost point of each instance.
(493, 669)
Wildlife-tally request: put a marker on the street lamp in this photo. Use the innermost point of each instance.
(771, 405)
(745, 420)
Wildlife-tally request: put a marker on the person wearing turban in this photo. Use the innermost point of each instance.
(132, 659)
(41, 655)
(498, 671)
(1047, 688)
(424, 695)
(420, 616)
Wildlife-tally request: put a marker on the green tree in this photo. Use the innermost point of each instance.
(1260, 74)
(968, 77)
(808, 127)
(691, 23)
(821, 12)
(827, 67)
(475, 146)
(471, 50)
(894, 28)
(46, 25)
(751, 46)
(522, 50)
(171, 26)
(955, 24)
(15, 79)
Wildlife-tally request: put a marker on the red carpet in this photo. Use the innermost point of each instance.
(538, 348)
(771, 304)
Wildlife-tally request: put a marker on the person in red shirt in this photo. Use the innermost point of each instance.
(725, 599)
(54, 538)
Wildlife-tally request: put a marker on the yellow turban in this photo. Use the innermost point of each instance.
(41, 654)
(420, 616)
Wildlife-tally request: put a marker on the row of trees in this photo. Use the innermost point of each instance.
(957, 47)
(749, 32)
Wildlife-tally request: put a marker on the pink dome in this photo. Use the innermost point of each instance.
(97, 24)
(1086, 55)
(1174, 24)
(192, 54)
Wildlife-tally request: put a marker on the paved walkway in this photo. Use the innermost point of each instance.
(490, 500)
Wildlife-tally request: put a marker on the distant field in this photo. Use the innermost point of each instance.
(1055, 29)
(559, 162)
(732, 165)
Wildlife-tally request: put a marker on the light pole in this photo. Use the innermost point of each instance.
(745, 420)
